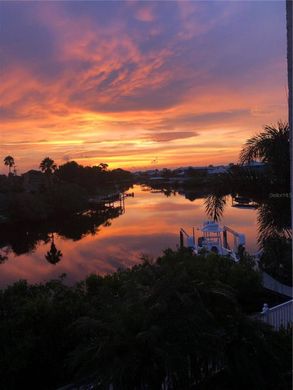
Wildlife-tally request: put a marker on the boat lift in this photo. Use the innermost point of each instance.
(214, 239)
(243, 203)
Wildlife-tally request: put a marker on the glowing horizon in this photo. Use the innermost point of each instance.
(139, 85)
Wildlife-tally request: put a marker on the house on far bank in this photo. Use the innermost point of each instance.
(217, 170)
(255, 165)
(33, 181)
(180, 172)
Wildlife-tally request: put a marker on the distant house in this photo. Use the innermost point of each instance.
(180, 172)
(217, 170)
(33, 181)
(255, 165)
(152, 172)
(154, 178)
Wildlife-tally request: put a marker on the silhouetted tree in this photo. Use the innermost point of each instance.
(93, 178)
(9, 161)
(48, 166)
(3, 258)
(103, 166)
(271, 146)
(70, 172)
(54, 255)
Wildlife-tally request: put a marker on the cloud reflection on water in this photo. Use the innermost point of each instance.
(150, 224)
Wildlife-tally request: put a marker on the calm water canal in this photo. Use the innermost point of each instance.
(150, 224)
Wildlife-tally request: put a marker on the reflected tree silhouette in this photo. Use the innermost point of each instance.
(274, 233)
(4, 254)
(215, 205)
(168, 192)
(274, 219)
(273, 215)
(81, 225)
(3, 258)
(275, 238)
(107, 223)
(21, 239)
(53, 256)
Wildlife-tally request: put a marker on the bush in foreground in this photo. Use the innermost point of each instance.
(177, 321)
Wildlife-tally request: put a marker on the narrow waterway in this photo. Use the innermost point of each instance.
(150, 223)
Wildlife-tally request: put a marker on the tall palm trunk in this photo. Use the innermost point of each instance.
(289, 11)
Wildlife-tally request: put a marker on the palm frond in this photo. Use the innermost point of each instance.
(214, 205)
(266, 145)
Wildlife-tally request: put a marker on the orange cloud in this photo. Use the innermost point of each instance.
(90, 82)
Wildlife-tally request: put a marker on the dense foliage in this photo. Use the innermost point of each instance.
(180, 321)
(276, 258)
(59, 199)
(92, 178)
(57, 192)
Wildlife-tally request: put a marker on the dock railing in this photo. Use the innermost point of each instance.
(279, 316)
(190, 240)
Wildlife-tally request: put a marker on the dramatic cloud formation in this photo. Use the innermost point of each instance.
(130, 83)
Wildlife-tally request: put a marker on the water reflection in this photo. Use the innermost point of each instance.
(273, 215)
(25, 239)
(99, 241)
(53, 256)
(274, 219)
(215, 205)
(274, 231)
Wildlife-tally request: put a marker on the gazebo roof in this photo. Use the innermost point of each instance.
(211, 227)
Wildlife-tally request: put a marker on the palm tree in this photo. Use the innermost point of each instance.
(271, 146)
(9, 161)
(48, 166)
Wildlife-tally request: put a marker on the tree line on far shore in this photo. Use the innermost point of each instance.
(55, 191)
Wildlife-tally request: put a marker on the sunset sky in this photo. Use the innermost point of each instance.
(139, 85)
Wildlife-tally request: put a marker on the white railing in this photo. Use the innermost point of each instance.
(278, 316)
(186, 238)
